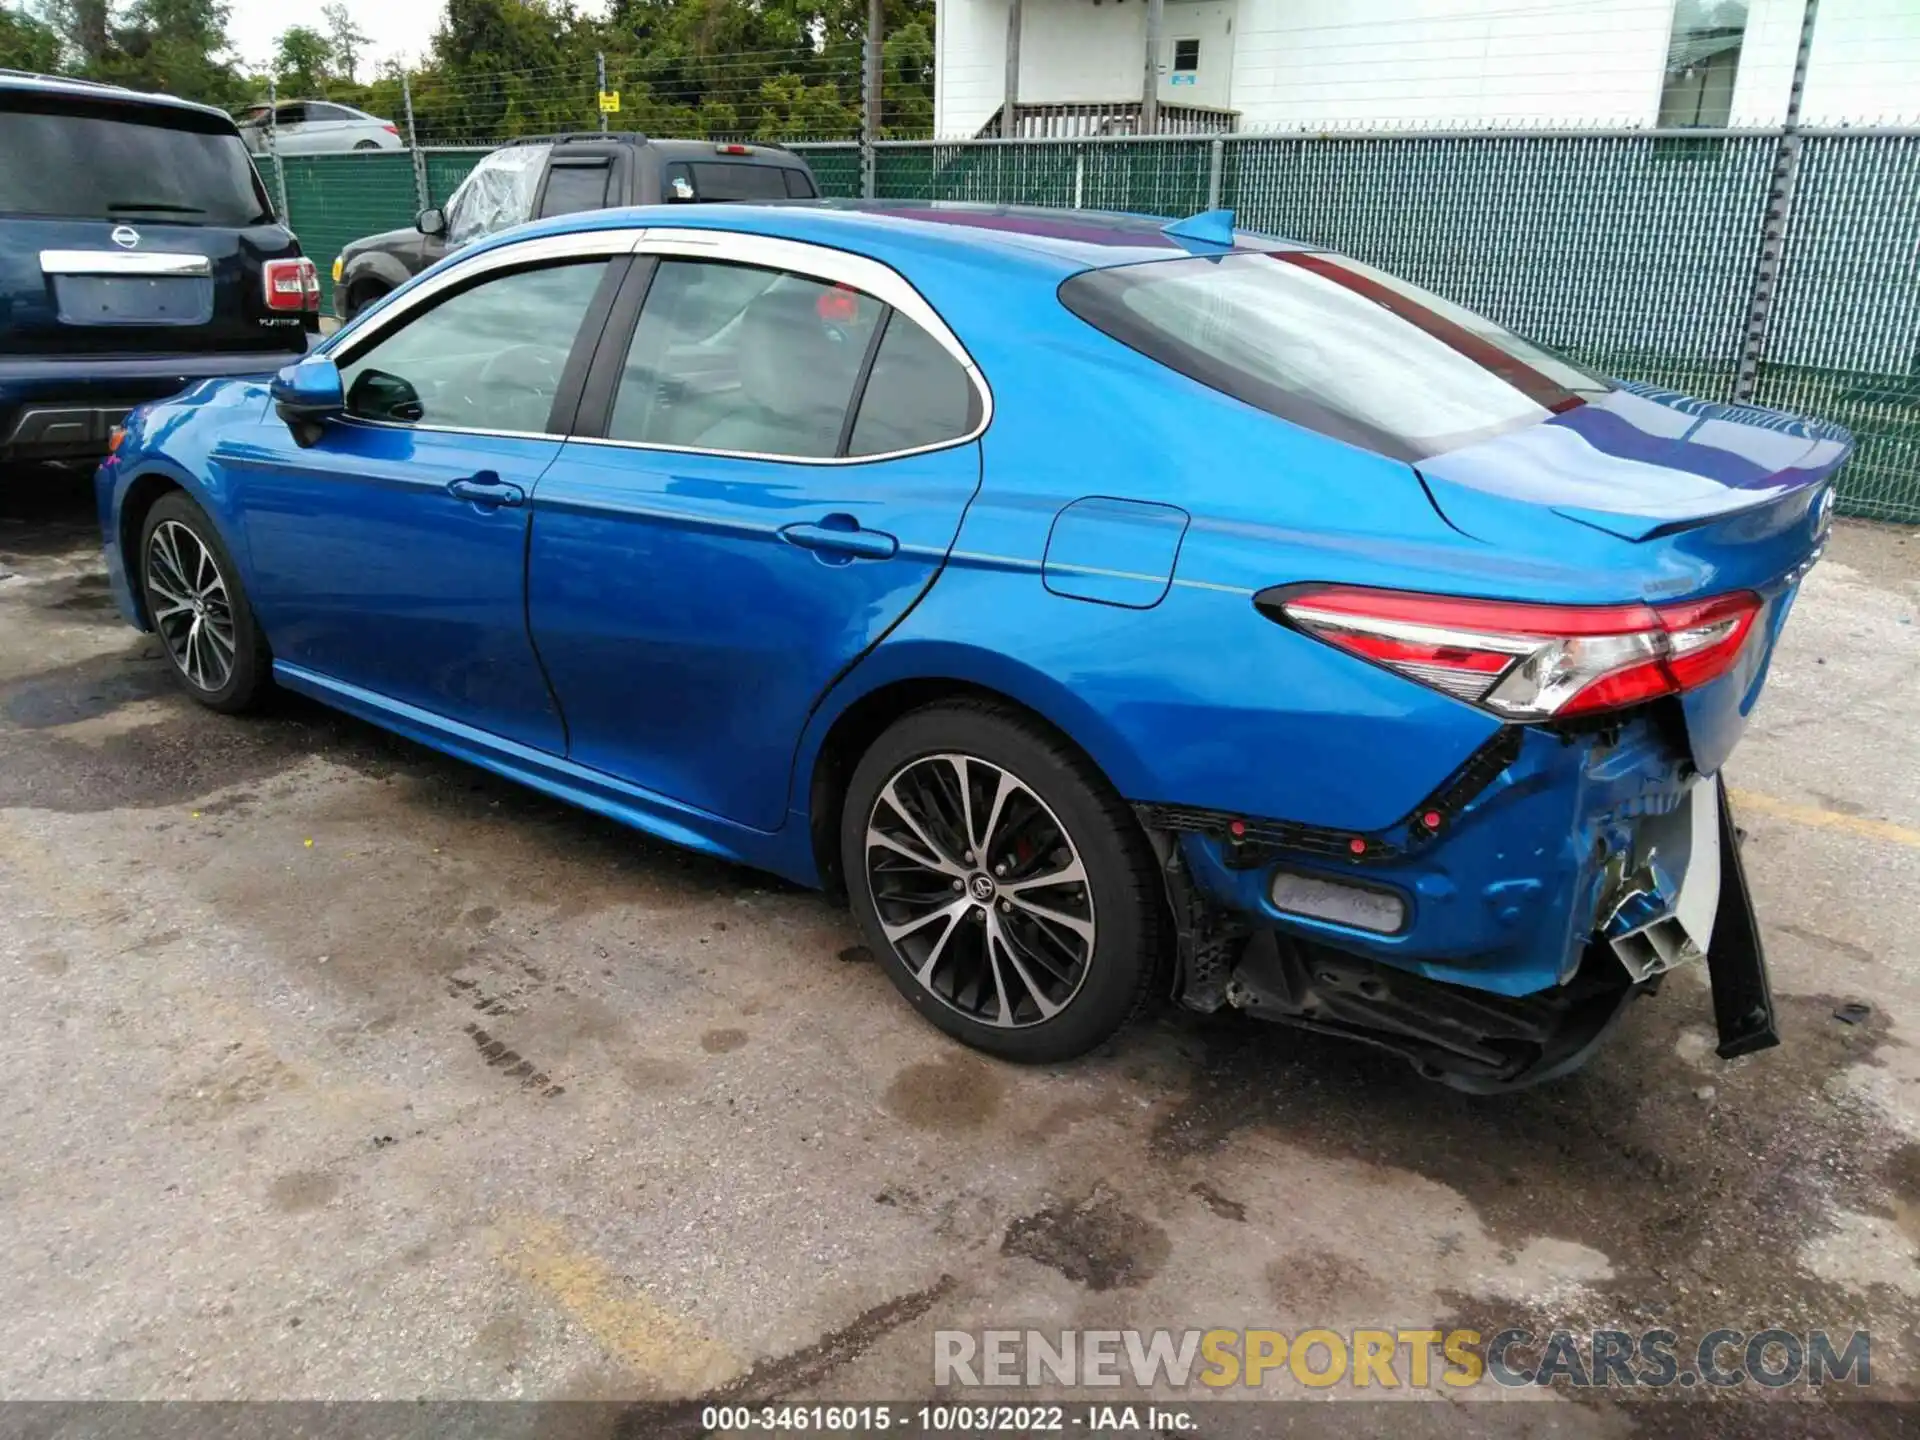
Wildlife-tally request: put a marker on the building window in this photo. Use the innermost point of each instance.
(1703, 58)
(1186, 55)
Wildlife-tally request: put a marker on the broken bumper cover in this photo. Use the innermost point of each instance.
(1736, 964)
(1518, 928)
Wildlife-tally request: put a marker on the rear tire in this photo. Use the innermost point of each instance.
(368, 145)
(363, 295)
(956, 821)
(199, 609)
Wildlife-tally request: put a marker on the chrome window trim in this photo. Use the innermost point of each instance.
(800, 257)
(814, 262)
(122, 262)
(347, 343)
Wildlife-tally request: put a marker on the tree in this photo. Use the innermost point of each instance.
(27, 43)
(82, 28)
(302, 61)
(176, 47)
(347, 38)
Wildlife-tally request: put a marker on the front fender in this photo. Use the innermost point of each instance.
(173, 445)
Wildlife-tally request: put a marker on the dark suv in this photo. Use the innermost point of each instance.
(138, 252)
(556, 175)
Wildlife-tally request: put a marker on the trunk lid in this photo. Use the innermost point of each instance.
(1672, 496)
(132, 228)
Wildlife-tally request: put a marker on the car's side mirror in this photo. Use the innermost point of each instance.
(431, 221)
(306, 396)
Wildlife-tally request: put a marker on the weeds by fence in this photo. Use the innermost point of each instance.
(1633, 251)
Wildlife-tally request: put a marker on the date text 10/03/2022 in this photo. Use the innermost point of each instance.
(961, 1419)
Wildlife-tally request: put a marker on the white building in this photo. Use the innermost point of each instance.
(1306, 64)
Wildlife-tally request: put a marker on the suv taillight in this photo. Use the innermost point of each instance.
(291, 284)
(1524, 661)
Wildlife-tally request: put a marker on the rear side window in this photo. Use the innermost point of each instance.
(573, 187)
(1333, 345)
(722, 180)
(916, 394)
(124, 162)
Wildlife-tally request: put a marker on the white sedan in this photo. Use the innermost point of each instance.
(315, 127)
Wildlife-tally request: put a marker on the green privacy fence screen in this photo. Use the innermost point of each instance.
(1634, 252)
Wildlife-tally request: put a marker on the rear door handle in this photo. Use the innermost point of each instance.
(841, 535)
(487, 488)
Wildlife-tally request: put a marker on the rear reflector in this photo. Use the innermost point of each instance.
(291, 284)
(1525, 661)
(1365, 907)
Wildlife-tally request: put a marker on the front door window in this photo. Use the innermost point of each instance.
(487, 358)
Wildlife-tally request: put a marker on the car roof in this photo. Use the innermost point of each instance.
(20, 80)
(1061, 241)
(670, 147)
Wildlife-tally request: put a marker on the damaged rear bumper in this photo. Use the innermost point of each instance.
(1652, 878)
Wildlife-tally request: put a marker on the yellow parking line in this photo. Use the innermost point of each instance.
(1824, 819)
(670, 1350)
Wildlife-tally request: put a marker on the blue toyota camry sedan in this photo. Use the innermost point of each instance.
(1115, 610)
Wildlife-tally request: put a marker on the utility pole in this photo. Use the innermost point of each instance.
(1773, 228)
(876, 62)
(1008, 124)
(600, 87)
(869, 110)
(273, 146)
(1150, 92)
(413, 146)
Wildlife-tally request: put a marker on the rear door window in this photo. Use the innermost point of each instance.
(740, 359)
(1333, 345)
(723, 180)
(573, 186)
(105, 161)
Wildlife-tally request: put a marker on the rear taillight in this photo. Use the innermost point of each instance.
(1528, 662)
(393, 130)
(291, 284)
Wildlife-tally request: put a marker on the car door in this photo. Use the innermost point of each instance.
(329, 128)
(770, 471)
(389, 556)
(291, 134)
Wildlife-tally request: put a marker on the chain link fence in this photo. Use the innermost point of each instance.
(1633, 251)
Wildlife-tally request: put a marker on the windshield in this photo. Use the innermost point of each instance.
(1334, 345)
(123, 162)
(497, 193)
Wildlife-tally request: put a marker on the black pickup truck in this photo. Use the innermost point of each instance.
(557, 175)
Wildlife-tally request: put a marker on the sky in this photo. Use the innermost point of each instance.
(394, 27)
